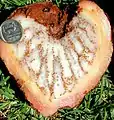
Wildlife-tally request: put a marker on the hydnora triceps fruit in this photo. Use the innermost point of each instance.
(57, 62)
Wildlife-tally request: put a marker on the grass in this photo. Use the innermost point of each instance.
(97, 104)
(8, 4)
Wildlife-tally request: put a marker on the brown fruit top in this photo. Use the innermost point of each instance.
(47, 14)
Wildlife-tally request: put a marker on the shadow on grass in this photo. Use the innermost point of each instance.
(18, 93)
(111, 67)
(4, 14)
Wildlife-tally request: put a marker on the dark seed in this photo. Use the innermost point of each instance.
(52, 25)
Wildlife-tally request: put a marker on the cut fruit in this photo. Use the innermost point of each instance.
(54, 69)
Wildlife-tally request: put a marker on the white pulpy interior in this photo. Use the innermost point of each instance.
(56, 65)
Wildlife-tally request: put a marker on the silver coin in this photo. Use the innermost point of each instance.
(11, 31)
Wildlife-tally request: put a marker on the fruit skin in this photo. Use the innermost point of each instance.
(99, 66)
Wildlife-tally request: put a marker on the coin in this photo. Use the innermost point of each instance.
(11, 31)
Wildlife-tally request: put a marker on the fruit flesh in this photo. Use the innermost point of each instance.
(56, 66)
(75, 85)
